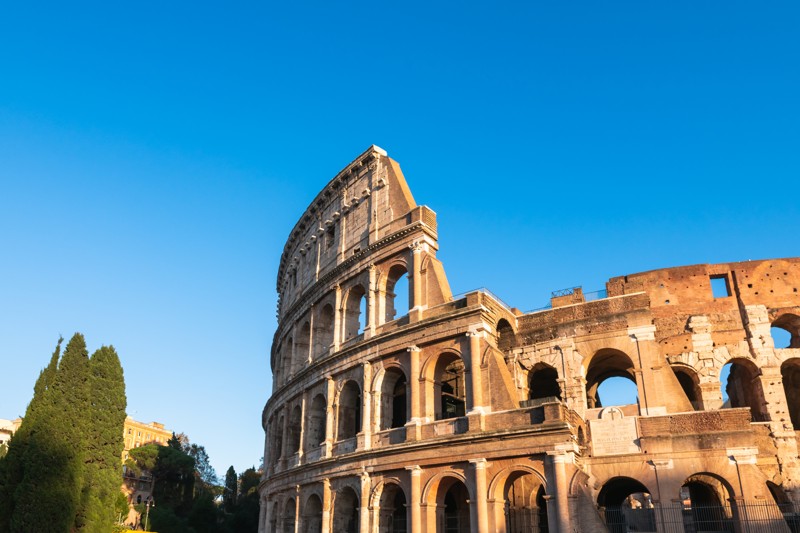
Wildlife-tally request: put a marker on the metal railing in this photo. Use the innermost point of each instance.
(748, 516)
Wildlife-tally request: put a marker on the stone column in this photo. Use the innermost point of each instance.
(293, 357)
(363, 522)
(270, 509)
(413, 425)
(297, 509)
(262, 515)
(668, 519)
(558, 461)
(327, 446)
(326, 505)
(481, 508)
(415, 306)
(416, 493)
(302, 447)
(337, 318)
(475, 335)
(285, 435)
(366, 406)
(372, 307)
(309, 357)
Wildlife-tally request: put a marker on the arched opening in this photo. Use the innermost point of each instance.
(454, 503)
(703, 507)
(317, 419)
(627, 505)
(286, 360)
(301, 347)
(543, 383)
(394, 404)
(450, 387)
(349, 411)
(610, 380)
(786, 331)
(790, 371)
(742, 388)
(525, 507)
(505, 335)
(287, 518)
(392, 518)
(345, 511)
(293, 433)
(277, 440)
(323, 331)
(312, 515)
(397, 298)
(355, 312)
(688, 381)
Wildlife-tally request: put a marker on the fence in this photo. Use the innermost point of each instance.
(737, 517)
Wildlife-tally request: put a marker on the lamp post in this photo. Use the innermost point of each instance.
(150, 501)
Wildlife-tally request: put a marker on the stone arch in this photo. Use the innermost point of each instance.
(743, 388)
(311, 518)
(627, 505)
(395, 305)
(449, 385)
(277, 438)
(346, 516)
(389, 499)
(604, 364)
(391, 386)
(517, 497)
(353, 322)
(790, 323)
(790, 372)
(293, 433)
(323, 330)
(349, 411)
(449, 493)
(505, 335)
(286, 363)
(706, 496)
(302, 345)
(288, 516)
(316, 420)
(543, 382)
(690, 384)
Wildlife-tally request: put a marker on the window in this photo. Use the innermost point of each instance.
(330, 237)
(720, 287)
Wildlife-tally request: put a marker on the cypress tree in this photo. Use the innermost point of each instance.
(12, 469)
(231, 488)
(104, 443)
(49, 497)
(62, 472)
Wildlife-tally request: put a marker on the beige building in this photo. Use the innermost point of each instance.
(140, 433)
(8, 428)
(419, 411)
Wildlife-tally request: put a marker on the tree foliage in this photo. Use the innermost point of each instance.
(62, 469)
(231, 488)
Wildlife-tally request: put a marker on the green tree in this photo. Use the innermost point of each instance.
(105, 440)
(3, 450)
(58, 471)
(231, 488)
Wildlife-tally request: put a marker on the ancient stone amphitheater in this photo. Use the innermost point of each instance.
(399, 407)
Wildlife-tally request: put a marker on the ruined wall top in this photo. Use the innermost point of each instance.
(366, 202)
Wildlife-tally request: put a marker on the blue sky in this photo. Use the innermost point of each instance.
(154, 156)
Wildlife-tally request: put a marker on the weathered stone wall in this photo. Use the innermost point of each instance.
(469, 414)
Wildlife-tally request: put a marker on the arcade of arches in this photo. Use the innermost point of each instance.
(667, 401)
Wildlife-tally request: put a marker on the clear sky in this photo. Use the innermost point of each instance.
(155, 155)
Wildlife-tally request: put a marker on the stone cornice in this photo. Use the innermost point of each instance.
(320, 200)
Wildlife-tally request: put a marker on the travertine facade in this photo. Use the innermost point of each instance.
(462, 414)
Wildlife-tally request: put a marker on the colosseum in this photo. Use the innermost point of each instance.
(400, 407)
